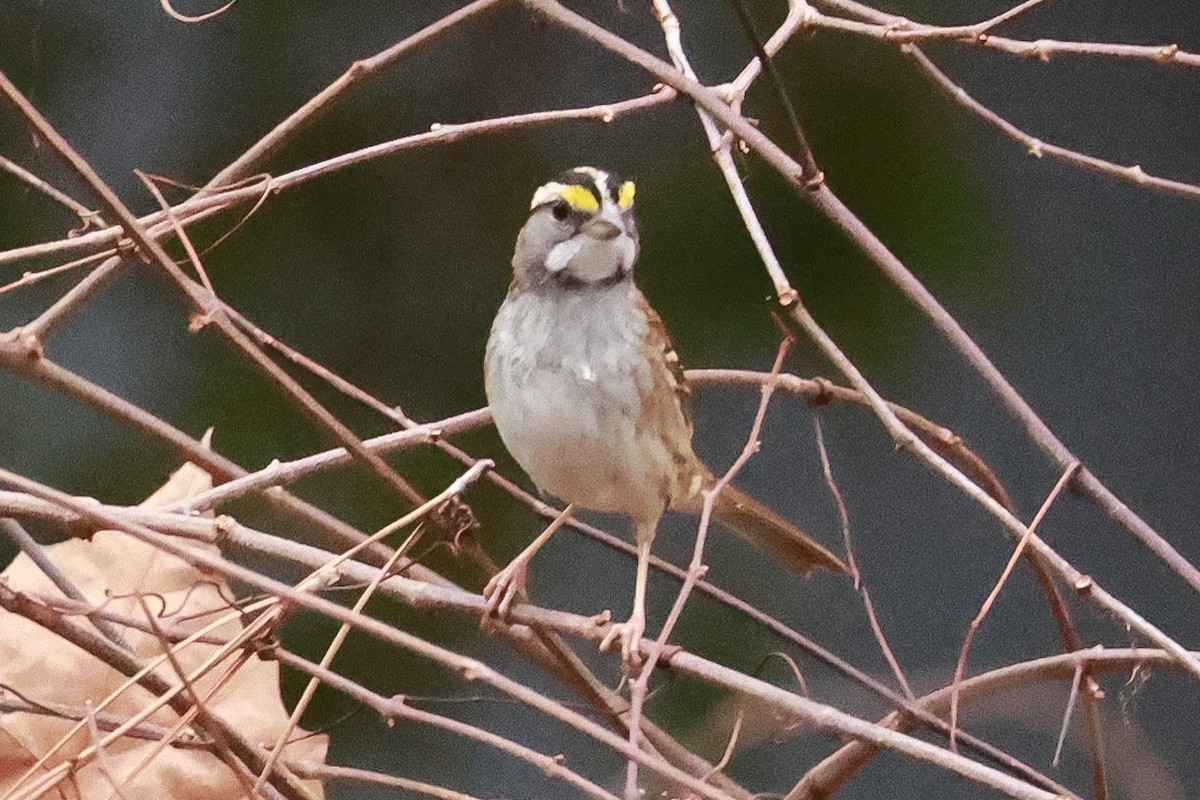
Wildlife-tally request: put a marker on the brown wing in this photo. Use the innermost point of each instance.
(660, 341)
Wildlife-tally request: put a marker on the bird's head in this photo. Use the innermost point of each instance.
(581, 231)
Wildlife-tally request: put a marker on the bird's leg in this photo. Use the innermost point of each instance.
(630, 632)
(510, 581)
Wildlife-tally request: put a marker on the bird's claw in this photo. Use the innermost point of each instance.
(500, 591)
(629, 634)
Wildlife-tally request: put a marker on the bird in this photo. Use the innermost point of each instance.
(589, 397)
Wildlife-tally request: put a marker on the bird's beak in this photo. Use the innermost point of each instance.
(605, 226)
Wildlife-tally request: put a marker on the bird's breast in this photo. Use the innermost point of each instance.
(566, 379)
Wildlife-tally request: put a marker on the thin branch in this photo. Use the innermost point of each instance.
(37, 554)
(821, 716)
(12, 702)
(832, 207)
(961, 668)
(282, 473)
(123, 661)
(326, 773)
(315, 108)
(31, 278)
(87, 217)
(825, 778)
(696, 569)
(830, 720)
(102, 761)
(390, 708)
(439, 598)
(1039, 148)
(1045, 49)
(900, 30)
(1072, 696)
(903, 31)
(868, 605)
(200, 300)
(469, 668)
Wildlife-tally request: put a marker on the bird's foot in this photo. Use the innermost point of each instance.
(500, 591)
(629, 634)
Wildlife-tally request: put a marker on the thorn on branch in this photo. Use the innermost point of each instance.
(948, 439)
(198, 321)
(601, 620)
(126, 248)
(897, 25)
(223, 525)
(552, 766)
(1168, 52)
(26, 345)
(87, 221)
(824, 394)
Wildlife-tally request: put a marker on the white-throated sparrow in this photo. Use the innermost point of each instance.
(588, 394)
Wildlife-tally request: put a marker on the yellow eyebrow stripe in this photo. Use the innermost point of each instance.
(580, 198)
(625, 195)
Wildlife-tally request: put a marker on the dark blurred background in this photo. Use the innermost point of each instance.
(1081, 288)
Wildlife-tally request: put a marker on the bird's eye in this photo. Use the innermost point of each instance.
(561, 210)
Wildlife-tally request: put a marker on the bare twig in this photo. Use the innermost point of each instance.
(315, 108)
(696, 569)
(201, 301)
(892, 28)
(824, 779)
(1038, 148)
(37, 554)
(129, 664)
(372, 778)
(445, 597)
(961, 668)
(30, 278)
(389, 708)
(469, 668)
(829, 204)
(194, 18)
(87, 217)
(868, 604)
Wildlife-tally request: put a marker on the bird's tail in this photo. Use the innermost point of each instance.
(765, 529)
